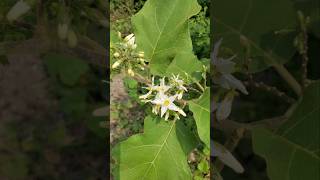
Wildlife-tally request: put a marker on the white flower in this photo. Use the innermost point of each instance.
(162, 88)
(225, 67)
(179, 83)
(151, 88)
(130, 41)
(166, 103)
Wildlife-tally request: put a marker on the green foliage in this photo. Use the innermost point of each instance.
(185, 64)
(200, 34)
(249, 29)
(201, 111)
(68, 69)
(294, 142)
(161, 28)
(159, 153)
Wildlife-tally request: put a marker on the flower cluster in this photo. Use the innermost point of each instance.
(162, 96)
(125, 54)
(222, 75)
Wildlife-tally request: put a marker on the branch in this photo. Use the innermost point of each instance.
(285, 74)
(270, 89)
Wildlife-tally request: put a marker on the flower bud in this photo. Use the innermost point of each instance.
(116, 55)
(119, 34)
(116, 64)
(72, 38)
(141, 54)
(130, 72)
(62, 31)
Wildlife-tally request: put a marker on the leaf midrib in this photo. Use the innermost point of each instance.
(161, 147)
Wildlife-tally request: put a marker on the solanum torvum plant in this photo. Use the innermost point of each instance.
(174, 88)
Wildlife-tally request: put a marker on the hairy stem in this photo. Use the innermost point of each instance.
(285, 74)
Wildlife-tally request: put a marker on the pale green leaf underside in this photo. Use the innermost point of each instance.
(161, 28)
(292, 153)
(201, 113)
(159, 153)
(256, 21)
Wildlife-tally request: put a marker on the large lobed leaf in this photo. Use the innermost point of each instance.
(159, 153)
(184, 64)
(201, 113)
(293, 151)
(161, 28)
(253, 23)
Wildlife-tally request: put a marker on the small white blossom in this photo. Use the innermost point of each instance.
(162, 88)
(166, 103)
(179, 84)
(151, 88)
(225, 67)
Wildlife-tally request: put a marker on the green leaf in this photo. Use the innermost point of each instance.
(68, 68)
(184, 63)
(253, 24)
(161, 28)
(292, 152)
(159, 153)
(201, 113)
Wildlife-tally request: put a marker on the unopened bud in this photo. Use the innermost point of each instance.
(116, 64)
(130, 72)
(141, 54)
(63, 31)
(116, 55)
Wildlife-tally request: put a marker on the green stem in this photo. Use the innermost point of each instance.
(285, 74)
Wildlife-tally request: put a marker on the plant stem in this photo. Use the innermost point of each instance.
(285, 74)
(199, 85)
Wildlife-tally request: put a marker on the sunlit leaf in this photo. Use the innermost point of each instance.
(201, 113)
(159, 153)
(161, 28)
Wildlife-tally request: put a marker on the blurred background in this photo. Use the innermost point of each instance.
(269, 95)
(53, 90)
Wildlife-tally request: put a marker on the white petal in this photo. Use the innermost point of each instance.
(167, 116)
(163, 110)
(173, 107)
(225, 66)
(182, 112)
(157, 101)
(172, 98)
(226, 157)
(224, 109)
(235, 83)
(20, 8)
